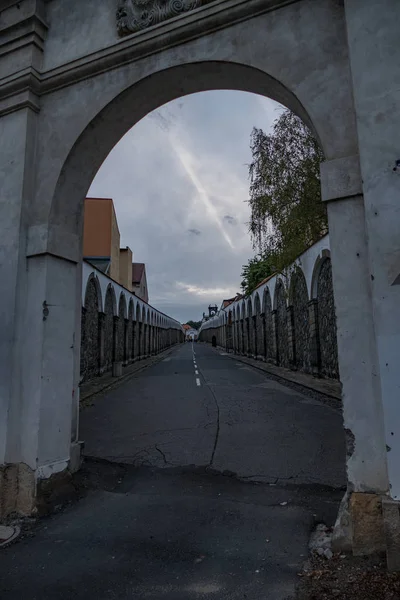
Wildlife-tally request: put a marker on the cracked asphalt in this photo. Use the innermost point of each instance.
(202, 489)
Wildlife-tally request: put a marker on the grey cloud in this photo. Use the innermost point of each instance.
(160, 207)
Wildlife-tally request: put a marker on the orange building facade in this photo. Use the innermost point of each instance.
(101, 247)
(101, 237)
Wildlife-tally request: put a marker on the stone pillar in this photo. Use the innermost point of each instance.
(23, 34)
(255, 337)
(76, 444)
(83, 343)
(117, 363)
(135, 334)
(40, 425)
(315, 350)
(145, 340)
(126, 343)
(246, 349)
(377, 98)
(291, 337)
(264, 338)
(237, 338)
(139, 355)
(274, 340)
(133, 349)
(102, 319)
(358, 353)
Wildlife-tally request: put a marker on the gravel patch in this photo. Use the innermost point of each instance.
(345, 577)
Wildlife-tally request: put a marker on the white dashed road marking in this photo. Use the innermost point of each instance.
(198, 381)
(196, 372)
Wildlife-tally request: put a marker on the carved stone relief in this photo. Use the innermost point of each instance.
(136, 15)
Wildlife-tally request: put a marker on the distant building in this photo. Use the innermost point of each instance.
(101, 247)
(101, 236)
(226, 303)
(190, 332)
(125, 268)
(139, 281)
(212, 311)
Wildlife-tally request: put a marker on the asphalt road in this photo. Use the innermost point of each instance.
(215, 477)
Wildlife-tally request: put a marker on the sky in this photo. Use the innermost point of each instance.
(179, 181)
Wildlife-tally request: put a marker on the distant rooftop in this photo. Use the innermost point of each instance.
(137, 272)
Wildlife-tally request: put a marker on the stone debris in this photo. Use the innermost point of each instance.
(321, 541)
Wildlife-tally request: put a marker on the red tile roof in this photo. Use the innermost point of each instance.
(137, 272)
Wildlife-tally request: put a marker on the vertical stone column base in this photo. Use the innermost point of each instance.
(75, 456)
(117, 369)
(360, 526)
(17, 490)
(24, 493)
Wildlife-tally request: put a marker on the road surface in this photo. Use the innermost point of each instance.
(210, 479)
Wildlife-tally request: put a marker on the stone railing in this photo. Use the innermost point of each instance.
(289, 320)
(117, 327)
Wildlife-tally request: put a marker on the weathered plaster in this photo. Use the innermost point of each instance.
(66, 102)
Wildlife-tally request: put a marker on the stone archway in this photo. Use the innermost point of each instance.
(67, 104)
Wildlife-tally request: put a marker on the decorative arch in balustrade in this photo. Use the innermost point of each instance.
(299, 302)
(329, 364)
(242, 327)
(282, 340)
(268, 334)
(110, 311)
(258, 327)
(120, 329)
(90, 342)
(249, 329)
(130, 333)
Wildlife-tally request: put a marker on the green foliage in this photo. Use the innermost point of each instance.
(257, 269)
(194, 324)
(287, 214)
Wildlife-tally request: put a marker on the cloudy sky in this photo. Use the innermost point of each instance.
(179, 181)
